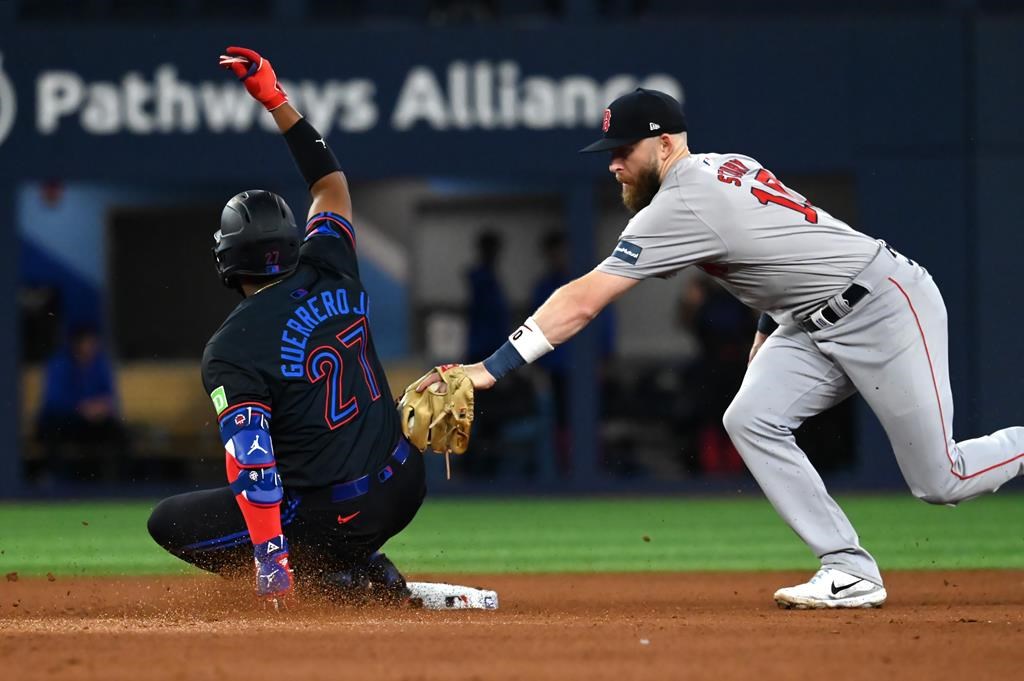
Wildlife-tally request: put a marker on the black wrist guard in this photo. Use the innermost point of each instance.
(310, 151)
(766, 324)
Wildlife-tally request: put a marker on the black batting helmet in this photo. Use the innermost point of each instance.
(257, 237)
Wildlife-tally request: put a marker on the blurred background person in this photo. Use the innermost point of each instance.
(487, 320)
(506, 442)
(553, 249)
(722, 327)
(78, 422)
(487, 314)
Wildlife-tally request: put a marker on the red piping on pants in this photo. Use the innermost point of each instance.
(938, 400)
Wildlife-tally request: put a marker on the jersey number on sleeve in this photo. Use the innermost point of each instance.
(784, 197)
(326, 363)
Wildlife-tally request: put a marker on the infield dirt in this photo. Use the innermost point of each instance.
(936, 625)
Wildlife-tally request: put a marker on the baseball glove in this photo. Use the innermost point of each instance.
(441, 416)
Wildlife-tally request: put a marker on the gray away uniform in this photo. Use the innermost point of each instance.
(778, 254)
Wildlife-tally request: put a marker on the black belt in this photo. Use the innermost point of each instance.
(835, 309)
(360, 486)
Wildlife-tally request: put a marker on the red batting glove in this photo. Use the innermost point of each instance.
(256, 74)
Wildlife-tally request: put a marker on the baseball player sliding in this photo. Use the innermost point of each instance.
(853, 315)
(319, 473)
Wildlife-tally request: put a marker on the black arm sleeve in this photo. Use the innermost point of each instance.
(310, 151)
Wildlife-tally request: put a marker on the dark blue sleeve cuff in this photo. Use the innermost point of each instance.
(504, 360)
(766, 324)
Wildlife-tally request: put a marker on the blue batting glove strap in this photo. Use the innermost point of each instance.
(273, 572)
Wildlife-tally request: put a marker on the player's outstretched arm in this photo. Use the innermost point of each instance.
(316, 161)
(562, 316)
(570, 308)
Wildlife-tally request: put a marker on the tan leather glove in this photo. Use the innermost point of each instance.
(441, 416)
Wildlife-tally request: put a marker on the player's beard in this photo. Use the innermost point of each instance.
(638, 195)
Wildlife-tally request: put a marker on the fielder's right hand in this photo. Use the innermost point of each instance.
(256, 74)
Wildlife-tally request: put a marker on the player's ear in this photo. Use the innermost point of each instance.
(666, 145)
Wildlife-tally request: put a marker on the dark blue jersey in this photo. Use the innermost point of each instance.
(302, 348)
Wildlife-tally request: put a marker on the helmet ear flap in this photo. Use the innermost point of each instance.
(228, 279)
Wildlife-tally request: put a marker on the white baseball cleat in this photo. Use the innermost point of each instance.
(831, 588)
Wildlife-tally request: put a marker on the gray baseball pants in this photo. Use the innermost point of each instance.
(892, 349)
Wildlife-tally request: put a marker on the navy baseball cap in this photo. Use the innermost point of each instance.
(636, 115)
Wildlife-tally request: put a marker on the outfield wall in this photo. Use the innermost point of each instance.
(919, 111)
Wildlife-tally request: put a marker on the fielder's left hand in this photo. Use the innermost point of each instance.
(439, 415)
(477, 374)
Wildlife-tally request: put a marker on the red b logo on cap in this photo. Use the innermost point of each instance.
(606, 123)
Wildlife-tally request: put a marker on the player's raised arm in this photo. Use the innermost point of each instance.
(316, 161)
(442, 416)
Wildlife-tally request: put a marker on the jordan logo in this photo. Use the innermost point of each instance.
(269, 577)
(256, 447)
(322, 143)
(837, 589)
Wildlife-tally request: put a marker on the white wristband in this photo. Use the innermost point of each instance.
(529, 341)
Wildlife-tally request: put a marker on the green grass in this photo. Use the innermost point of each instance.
(565, 535)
